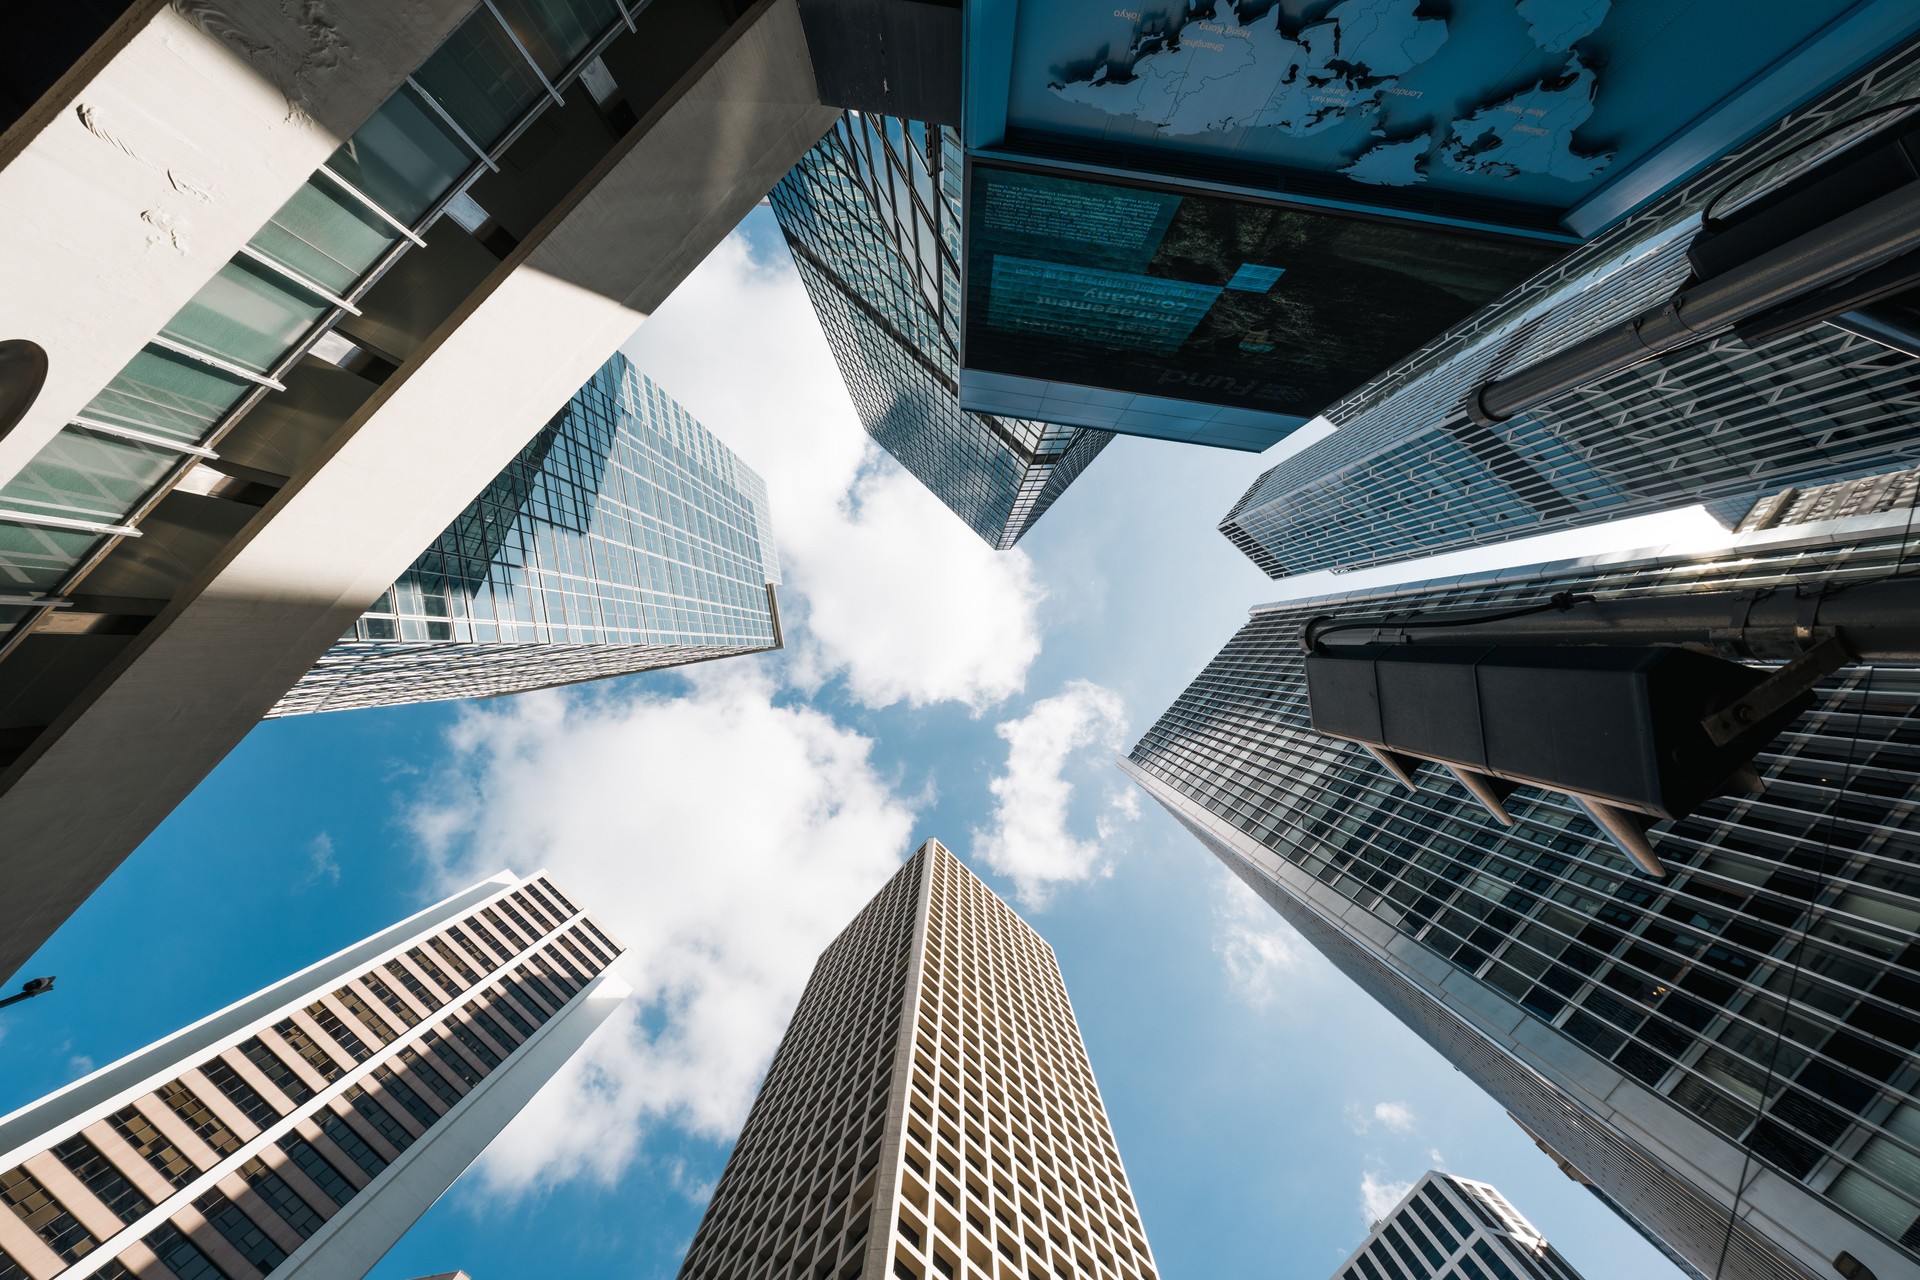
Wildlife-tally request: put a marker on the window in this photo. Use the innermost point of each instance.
(284, 1078)
(181, 1255)
(309, 1048)
(459, 935)
(402, 1092)
(386, 996)
(428, 1075)
(166, 1159)
(453, 959)
(47, 1217)
(499, 927)
(465, 1035)
(335, 1126)
(499, 1004)
(452, 1057)
(240, 1093)
(360, 1009)
(434, 971)
(523, 991)
(307, 1158)
(99, 1176)
(379, 1117)
(226, 1217)
(187, 1105)
(281, 1197)
(336, 1030)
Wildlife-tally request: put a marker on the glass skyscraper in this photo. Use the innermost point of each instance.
(1730, 1055)
(1407, 472)
(624, 537)
(872, 216)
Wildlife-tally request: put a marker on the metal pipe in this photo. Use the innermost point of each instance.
(1870, 236)
(1879, 620)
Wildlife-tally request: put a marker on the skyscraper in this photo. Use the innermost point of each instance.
(1453, 1228)
(1409, 471)
(625, 537)
(872, 216)
(300, 1131)
(930, 1111)
(1728, 1053)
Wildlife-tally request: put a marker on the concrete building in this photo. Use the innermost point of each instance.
(1409, 471)
(625, 537)
(930, 1112)
(289, 290)
(299, 1132)
(872, 218)
(1729, 1053)
(1453, 1228)
(1212, 225)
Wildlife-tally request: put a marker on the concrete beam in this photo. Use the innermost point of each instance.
(148, 165)
(196, 679)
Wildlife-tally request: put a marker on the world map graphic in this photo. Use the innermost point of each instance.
(1209, 76)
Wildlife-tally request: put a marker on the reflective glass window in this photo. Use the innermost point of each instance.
(558, 31)
(247, 314)
(87, 476)
(481, 79)
(404, 157)
(325, 235)
(169, 394)
(36, 558)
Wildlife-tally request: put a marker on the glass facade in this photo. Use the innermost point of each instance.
(624, 537)
(296, 277)
(1407, 473)
(1757, 1006)
(872, 216)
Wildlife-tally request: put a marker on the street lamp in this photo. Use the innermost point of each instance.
(28, 990)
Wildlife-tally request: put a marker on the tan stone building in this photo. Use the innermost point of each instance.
(299, 1132)
(930, 1112)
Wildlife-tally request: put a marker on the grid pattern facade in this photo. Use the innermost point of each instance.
(223, 1171)
(937, 1029)
(1406, 473)
(872, 217)
(1757, 1006)
(624, 537)
(231, 344)
(1450, 1228)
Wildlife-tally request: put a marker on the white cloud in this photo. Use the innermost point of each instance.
(1028, 839)
(722, 838)
(322, 863)
(1377, 1198)
(890, 589)
(1395, 1117)
(1255, 946)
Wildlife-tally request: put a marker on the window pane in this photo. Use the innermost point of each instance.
(404, 158)
(481, 79)
(558, 31)
(325, 235)
(86, 476)
(169, 394)
(36, 558)
(247, 314)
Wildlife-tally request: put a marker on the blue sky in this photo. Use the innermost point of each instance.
(726, 820)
